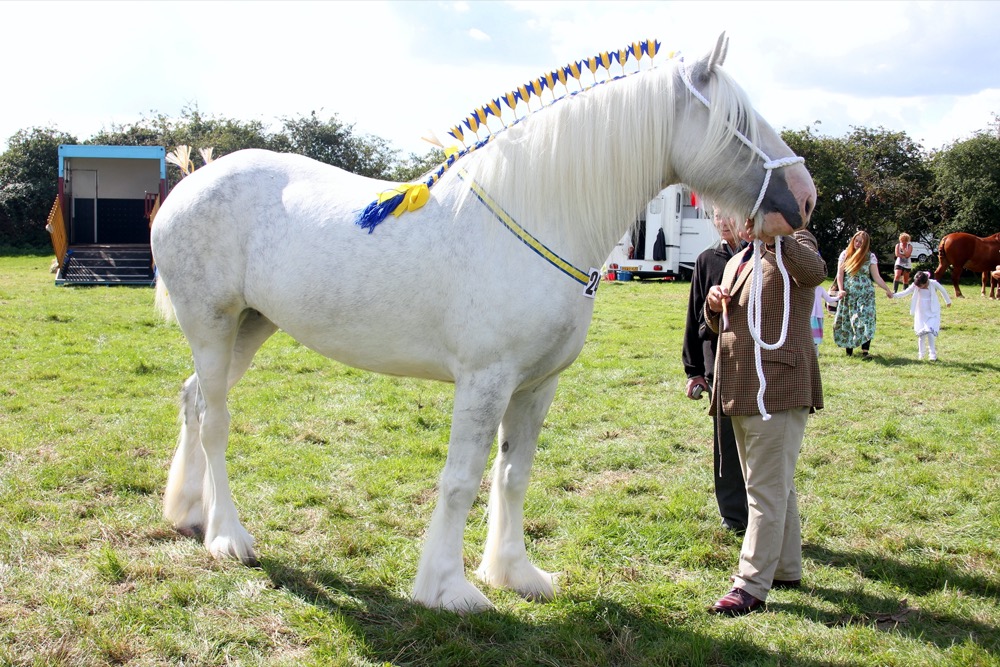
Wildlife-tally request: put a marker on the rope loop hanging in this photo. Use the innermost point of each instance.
(754, 315)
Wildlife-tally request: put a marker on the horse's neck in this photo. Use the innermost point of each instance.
(572, 182)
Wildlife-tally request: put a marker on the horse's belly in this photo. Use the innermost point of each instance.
(377, 349)
(435, 330)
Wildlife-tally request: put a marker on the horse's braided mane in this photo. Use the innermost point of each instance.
(478, 120)
(619, 133)
(617, 130)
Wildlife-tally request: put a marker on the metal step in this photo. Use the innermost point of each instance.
(107, 265)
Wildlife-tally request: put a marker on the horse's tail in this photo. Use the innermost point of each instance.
(943, 261)
(162, 302)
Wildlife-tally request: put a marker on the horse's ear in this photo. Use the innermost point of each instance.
(718, 55)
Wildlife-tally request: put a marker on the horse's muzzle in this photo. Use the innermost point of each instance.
(791, 194)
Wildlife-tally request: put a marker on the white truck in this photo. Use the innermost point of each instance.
(666, 239)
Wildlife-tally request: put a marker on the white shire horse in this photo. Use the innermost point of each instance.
(492, 292)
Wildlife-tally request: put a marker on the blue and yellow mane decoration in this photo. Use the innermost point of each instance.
(411, 196)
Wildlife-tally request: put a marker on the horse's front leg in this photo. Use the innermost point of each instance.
(505, 558)
(479, 403)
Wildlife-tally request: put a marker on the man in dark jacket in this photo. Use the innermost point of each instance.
(698, 355)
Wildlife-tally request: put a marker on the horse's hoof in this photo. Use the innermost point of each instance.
(525, 579)
(232, 547)
(547, 592)
(462, 598)
(184, 515)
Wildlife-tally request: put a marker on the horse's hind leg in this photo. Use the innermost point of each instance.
(188, 486)
(505, 559)
(182, 502)
(440, 583)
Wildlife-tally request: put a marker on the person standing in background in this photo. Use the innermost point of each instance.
(698, 355)
(926, 311)
(902, 265)
(823, 299)
(857, 270)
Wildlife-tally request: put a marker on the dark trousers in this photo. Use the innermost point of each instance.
(730, 489)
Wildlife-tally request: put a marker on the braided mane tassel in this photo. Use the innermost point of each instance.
(397, 201)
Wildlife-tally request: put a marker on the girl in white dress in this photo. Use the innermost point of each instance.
(926, 311)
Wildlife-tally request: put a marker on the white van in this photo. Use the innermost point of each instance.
(666, 240)
(922, 250)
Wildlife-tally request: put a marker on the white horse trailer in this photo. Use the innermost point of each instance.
(666, 239)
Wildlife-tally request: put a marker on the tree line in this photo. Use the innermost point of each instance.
(872, 179)
(885, 183)
(29, 166)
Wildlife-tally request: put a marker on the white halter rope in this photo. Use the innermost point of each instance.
(753, 315)
(757, 283)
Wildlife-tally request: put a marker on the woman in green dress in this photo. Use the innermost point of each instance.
(857, 275)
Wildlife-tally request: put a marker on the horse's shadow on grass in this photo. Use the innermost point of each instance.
(972, 369)
(391, 629)
(855, 607)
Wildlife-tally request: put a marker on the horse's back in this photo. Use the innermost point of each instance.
(970, 251)
(255, 180)
(252, 200)
(257, 229)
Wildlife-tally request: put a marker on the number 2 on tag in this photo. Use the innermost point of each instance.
(590, 291)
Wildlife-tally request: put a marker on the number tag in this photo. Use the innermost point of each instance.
(590, 291)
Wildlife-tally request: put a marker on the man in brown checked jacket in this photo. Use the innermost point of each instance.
(771, 556)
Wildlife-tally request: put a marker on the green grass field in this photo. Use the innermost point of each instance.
(334, 472)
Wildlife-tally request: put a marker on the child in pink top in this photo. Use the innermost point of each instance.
(818, 311)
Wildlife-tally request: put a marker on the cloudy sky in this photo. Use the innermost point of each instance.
(400, 69)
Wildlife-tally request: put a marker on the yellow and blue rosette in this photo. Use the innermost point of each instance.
(399, 200)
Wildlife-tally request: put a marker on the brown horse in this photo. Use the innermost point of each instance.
(966, 251)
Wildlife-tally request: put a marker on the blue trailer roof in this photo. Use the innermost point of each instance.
(128, 152)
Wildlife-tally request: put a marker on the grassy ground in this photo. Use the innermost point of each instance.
(334, 472)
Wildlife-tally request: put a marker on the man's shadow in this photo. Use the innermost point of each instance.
(898, 613)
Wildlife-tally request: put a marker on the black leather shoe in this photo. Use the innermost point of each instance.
(736, 602)
(786, 583)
